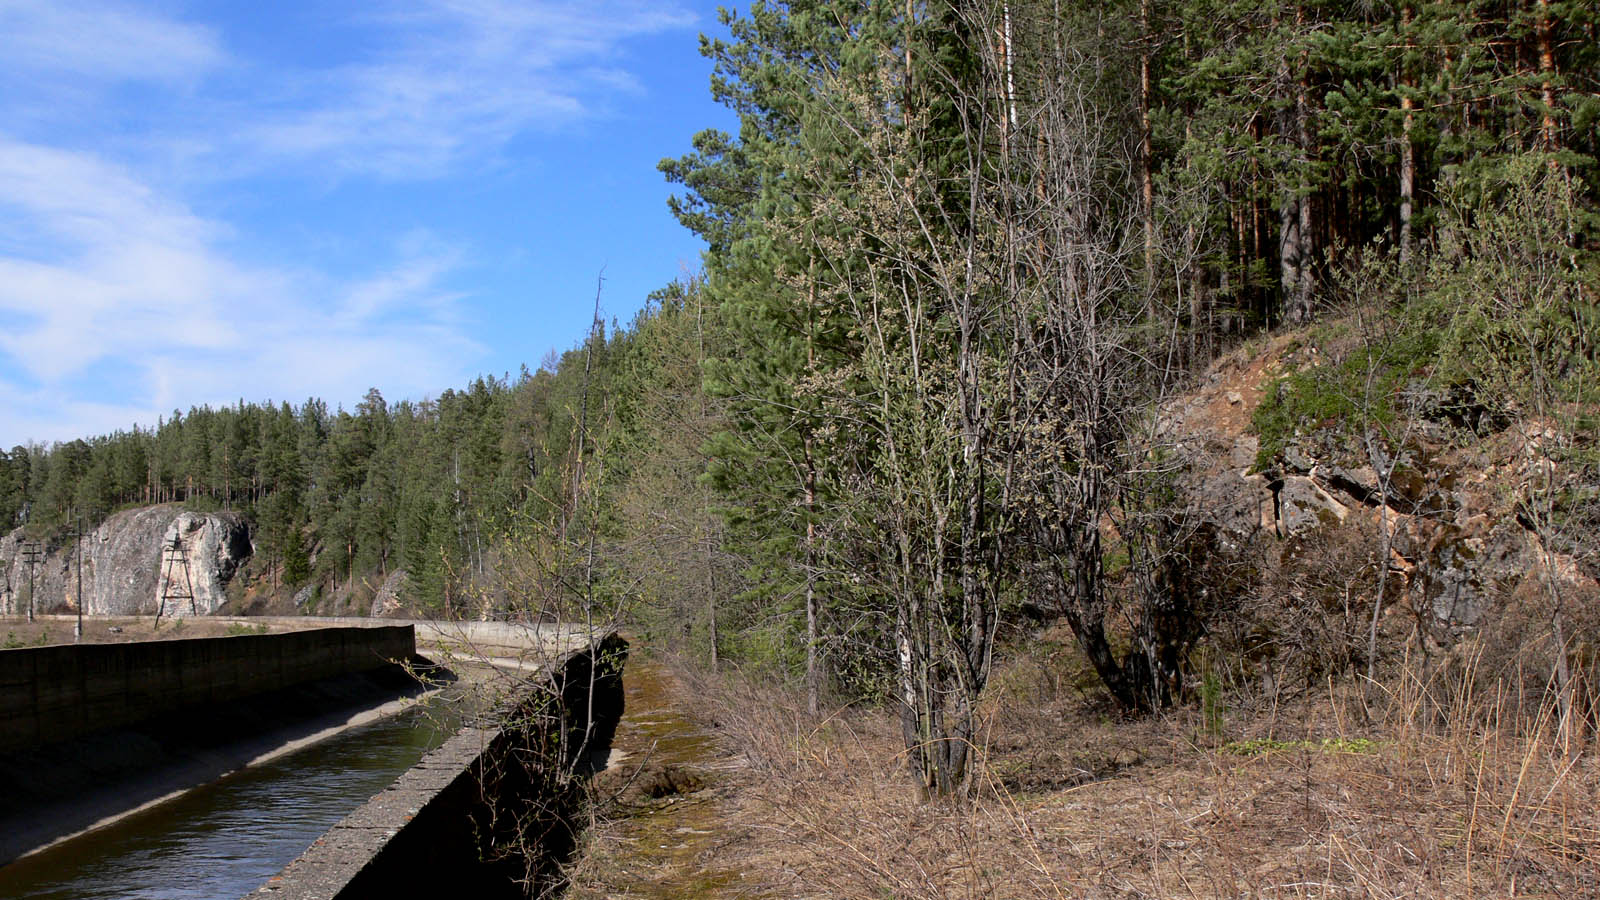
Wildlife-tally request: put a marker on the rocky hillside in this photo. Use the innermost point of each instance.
(1455, 503)
(131, 561)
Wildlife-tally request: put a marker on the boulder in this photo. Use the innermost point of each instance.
(1238, 504)
(1304, 505)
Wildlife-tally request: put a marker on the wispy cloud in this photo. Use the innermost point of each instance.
(103, 40)
(123, 291)
(119, 279)
(455, 81)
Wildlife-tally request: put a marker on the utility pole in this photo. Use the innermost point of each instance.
(30, 552)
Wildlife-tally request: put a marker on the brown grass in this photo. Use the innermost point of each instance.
(1439, 795)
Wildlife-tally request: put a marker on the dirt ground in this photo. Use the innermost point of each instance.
(18, 632)
(661, 806)
(1314, 799)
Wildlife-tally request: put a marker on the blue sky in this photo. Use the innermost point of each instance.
(203, 202)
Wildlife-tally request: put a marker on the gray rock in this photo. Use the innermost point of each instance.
(1359, 483)
(1450, 580)
(1238, 505)
(1296, 459)
(387, 602)
(1242, 455)
(122, 565)
(214, 545)
(1304, 505)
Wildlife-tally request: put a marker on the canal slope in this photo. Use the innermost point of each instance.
(221, 840)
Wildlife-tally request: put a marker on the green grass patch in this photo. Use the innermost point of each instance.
(1264, 746)
(1357, 392)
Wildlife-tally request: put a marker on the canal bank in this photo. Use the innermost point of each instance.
(660, 817)
(94, 732)
(285, 794)
(224, 838)
(491, 813)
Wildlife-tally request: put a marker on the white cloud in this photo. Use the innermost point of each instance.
(122, 279)
(119, 300)
(457, 80)
(103, 40)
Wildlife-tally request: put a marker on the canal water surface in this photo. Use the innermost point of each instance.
(223, 840)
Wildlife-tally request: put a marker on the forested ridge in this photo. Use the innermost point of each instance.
(431, 486)
(960, 257)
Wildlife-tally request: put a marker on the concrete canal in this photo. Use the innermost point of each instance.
(306, 764)
(226, 838)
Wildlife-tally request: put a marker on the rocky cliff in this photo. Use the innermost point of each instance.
(1459, 540)
(131, 561)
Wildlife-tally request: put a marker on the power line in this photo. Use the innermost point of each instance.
(31, 553)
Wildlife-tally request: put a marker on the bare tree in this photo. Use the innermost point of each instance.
(1086, 456)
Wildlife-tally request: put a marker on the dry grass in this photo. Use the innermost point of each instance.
(1446, 799)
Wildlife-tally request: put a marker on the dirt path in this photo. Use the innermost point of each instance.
(661, 836)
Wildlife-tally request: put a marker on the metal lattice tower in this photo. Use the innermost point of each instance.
(174, 554)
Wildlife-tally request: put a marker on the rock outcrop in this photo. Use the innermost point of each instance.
(200, 554)
(130, 562)
(387, 601)
(1459, 541)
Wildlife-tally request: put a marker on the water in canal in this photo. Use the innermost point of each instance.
(223, 840)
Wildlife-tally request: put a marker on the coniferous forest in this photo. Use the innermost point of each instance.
(960, 258)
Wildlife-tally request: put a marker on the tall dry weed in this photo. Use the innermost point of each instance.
(1439, 791)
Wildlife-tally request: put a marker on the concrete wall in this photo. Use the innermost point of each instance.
(481, 815)
(464, 637)
(50, 694)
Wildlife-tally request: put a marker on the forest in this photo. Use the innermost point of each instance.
(959, 257)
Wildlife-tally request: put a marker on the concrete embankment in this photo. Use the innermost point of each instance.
(469, 639)
(486, 814)
(50, 694)
(91, 732)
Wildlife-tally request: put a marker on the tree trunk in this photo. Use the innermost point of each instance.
(1408, 164)
(1146, 179)
(813, 669)
(1301, 310)
(809, 485)
(1547, 72)
(1289, 247)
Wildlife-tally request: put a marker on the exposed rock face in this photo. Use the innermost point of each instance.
(199, 554)
(387, 602)
(1459, 543)
(125, 565)
(1303, 504)
(121, 564)
(13, 576)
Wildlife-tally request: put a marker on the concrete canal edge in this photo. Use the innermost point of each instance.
(489, 813)
(59, 693)
(96, 732)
